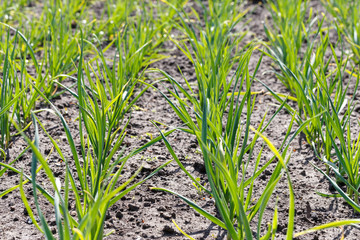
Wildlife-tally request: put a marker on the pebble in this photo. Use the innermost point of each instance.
(169, 230)
(133, 207)
(119, 215)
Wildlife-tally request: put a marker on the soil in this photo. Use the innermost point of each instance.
(147, 214)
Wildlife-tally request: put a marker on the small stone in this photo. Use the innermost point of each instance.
(145, 226)
(52, 222)
(133, 207)
(165, 215)
(29, 221)
(147, 168)
(25, 212)
(199, 167)
(161, 209)
(119, 215)
(193, 145)
(152, 200)
(11, 173)
(168, 230)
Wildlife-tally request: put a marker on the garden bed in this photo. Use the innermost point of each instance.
(147, 214)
